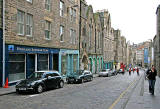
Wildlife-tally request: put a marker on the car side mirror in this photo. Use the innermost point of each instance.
(49, 77)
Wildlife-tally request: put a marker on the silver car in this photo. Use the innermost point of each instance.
(105, 72)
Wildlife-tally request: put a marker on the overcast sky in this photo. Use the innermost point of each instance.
(135, 18)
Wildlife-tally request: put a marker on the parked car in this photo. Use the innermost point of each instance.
(39, 81)
(121, 71)
(105, 72)
(79, 76)
(114, 72)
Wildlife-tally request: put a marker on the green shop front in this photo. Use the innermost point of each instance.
(96, 63)
(108, 65)
(69, 61)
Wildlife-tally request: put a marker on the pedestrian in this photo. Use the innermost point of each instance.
(129, 71)
(137, 71)
(133, 70)
(151, 75)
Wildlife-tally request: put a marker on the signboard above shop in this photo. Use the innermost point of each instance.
(28, 49)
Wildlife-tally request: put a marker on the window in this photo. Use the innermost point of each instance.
(61, 8)
(61, 33)
(72, 36)
(16, 67)
(99, 39)
(72, 14)
(20, 22)
(42, 62)
(90, 34)
(47, 29)
(29, 24)
(48, 5)
(29, 1)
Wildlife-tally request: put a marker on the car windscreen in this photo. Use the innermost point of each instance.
(79, 72)
(36, 75)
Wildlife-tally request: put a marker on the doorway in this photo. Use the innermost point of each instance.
(55, 62)
(30, 64)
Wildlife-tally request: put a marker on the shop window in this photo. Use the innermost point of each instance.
(16, 67)
(75, 62)
(64, 64)
(43, 62)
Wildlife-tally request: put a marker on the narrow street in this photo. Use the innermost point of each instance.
(102, 93)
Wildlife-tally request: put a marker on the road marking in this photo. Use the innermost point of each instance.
(30, 96)
(121, 95)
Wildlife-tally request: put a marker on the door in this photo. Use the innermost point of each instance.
(55, 62)
(70, 65)
(50, 80)
(30, 64)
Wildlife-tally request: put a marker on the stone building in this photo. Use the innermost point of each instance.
(1, 41)
(124, 50)
(41, 35)
(98, 41)
(108, 38)
(90, 39)
(156, 42)
(118, 50)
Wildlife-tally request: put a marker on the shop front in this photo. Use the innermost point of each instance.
(96, 64)
(22, 61)
(69, 61)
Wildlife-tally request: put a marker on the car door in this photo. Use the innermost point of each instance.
(86, 75)
(48, 80)
(56, 79)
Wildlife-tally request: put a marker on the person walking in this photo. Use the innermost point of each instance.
(129, 71)
(151, 75)
(137, 71)
(133, 70)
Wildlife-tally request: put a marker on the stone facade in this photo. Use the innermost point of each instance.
(58, 20)
(108, 45)
(90, 39)
(40, 14)
(156, 42)
(1, 41)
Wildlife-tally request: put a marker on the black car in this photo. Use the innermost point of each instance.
(40, 81)
(79, 76)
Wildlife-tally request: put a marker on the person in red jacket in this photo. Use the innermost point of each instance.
(137, 71)
(133, 70)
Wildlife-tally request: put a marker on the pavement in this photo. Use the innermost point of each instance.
(142, 99)
(11, 89)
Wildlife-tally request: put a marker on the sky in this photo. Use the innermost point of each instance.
(135, 18)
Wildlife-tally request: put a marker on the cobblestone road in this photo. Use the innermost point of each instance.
(102, 93)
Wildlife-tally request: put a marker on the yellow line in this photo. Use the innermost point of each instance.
(122, 94)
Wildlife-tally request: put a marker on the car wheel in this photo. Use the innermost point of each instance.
(39, 88)
(68, 82)
(61, 84)
(82, 81)
(91, 79)
(17, 91)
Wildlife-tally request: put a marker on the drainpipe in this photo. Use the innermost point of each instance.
(80, 34)
(3, 83)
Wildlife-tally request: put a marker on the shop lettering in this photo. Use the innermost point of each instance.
(31, 49)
